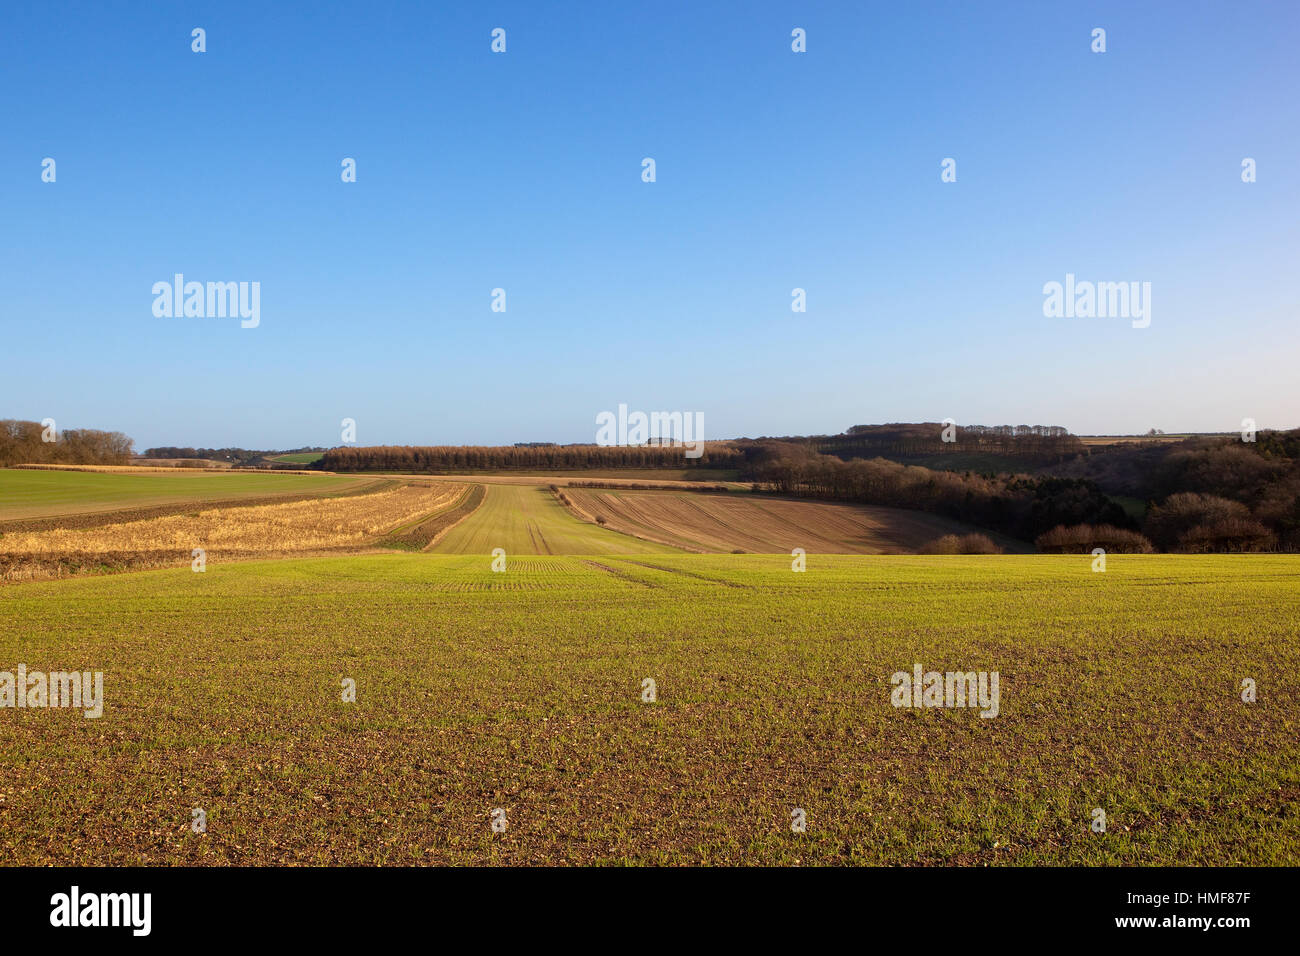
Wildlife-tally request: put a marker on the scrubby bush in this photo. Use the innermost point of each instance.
(1169, 522)
(1083, 538)
(1228, 534)
(962, 544)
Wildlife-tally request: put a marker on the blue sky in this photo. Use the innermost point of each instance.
(522, 171)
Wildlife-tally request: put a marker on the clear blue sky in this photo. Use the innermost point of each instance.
(523, 171)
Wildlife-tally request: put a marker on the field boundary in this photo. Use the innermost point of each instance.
(424, 531)
(449, 519)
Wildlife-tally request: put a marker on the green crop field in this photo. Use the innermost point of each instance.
(527, 519)
(301, 457)
(522, 691)
(27, 493)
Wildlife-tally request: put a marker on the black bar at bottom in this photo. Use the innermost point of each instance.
(302, 905)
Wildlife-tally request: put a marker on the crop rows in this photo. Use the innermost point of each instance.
(521, 690)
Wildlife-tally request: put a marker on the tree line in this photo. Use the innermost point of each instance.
(450, 459)
(33, 443)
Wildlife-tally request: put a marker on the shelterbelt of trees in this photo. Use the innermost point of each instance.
(451, 459)
(25, 443)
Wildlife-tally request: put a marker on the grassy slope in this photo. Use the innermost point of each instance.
(521, 690)
(28, 493)
(528, 520)
(301, 457)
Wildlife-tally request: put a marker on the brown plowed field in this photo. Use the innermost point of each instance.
(766, 525)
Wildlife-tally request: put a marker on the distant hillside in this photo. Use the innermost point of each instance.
(1206, 493)
(990, 446)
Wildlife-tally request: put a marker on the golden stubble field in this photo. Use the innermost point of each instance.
(313, 525)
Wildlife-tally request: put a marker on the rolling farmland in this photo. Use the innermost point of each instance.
(522, 691)
(527, 519)
(555, 437)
